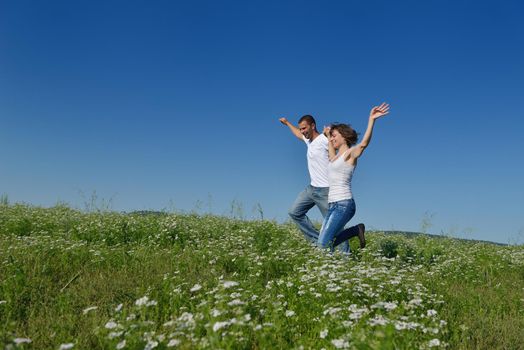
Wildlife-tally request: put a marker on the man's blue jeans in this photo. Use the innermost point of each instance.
(332, 233)
(306, 200)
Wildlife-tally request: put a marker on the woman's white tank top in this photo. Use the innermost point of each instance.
(339, 176)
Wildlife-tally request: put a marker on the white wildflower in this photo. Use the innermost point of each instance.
(173, 342)
(434, 342)
(169, 323)
(378, 321)
(235, 302)
(219, 325)
(413, 325)
(432, 313)
(148, 336)
(215, 313)
(187, 318)
(323, 334)
(400, 325)
(378, 305)
(290, 313)
(66, 346)
(22, 340)
(415, 302)
(229, 284)
(347, 324)
(121, 345)
(113, 335)
(151, 303)
(332, 311)
(356, 312)
(390, 306)
(333, 288)
(119, 307)
(111, 325)
(142, 301)
(91, 308)
(340, 343)
(195, 288)
(151, 345)
(3, 302)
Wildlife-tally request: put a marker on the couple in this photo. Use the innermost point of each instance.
(332, 157)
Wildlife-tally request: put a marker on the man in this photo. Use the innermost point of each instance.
(316, 193)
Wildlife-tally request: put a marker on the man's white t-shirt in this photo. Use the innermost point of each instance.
(318, 160)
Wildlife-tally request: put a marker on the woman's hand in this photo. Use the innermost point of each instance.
(326, 131)
(380, 111)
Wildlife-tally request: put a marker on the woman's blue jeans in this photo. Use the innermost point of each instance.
(332, 233)
(306, 200)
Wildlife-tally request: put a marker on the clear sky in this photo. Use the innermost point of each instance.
(175, 105)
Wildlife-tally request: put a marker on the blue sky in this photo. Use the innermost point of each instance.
(170, 104)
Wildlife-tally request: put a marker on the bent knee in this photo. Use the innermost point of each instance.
(294, 214)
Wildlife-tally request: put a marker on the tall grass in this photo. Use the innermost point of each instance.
(105, 280)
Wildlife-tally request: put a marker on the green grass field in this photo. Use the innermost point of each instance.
(104, 280)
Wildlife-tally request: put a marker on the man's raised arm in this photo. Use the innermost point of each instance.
(293, 128)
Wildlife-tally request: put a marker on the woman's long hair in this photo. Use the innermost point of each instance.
(347, 132)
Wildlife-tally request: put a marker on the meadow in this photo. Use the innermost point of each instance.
(108, 280)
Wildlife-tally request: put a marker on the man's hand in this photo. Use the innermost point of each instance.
(284, 121)
(291, 127)
(380, 111)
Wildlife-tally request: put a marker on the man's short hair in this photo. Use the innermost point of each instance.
(307, 118)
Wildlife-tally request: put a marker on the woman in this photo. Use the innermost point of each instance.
(343, 156)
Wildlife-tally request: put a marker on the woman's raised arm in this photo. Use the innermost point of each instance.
(376, 112)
